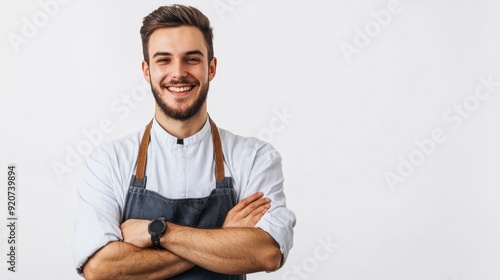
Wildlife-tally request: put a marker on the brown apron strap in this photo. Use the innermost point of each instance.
(143, 153)
(218, 155)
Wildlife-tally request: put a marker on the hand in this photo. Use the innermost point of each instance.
(136, 233)
(248, 211)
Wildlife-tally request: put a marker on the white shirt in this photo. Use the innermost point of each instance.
(175, 171)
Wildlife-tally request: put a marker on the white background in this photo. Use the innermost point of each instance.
(341, 122)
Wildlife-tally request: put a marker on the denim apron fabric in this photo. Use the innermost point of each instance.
(207, 212)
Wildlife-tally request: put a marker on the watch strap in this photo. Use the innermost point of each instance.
(155, 239)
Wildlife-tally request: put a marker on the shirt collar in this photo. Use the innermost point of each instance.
(163, 136)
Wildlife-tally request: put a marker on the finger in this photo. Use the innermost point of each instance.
(254, 205)
(255, 217)
(259, 212)
(246, 201)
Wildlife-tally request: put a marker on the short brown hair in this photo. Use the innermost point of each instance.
(175, 16)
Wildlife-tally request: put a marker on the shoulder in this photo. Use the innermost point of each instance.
(248, 147)
(108, 167)
(118, 150)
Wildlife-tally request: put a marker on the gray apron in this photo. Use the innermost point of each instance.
(207, 212)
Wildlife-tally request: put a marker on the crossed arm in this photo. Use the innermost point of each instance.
(237, 247)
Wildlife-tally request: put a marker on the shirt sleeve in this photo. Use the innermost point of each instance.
(97, 217)
(267, 176)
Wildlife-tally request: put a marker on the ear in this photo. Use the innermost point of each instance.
(212, 69)
(145, 71)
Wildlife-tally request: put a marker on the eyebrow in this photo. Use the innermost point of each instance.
(198, 52)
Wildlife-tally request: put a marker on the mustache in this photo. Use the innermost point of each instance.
(181, 82)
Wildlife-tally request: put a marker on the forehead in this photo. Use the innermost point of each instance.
(176, 40)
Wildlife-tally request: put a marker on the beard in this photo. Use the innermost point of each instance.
(182, 114)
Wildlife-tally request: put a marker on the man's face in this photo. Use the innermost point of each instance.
(179, 71)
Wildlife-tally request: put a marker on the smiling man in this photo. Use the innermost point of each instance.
(208, 204)
(186, 90)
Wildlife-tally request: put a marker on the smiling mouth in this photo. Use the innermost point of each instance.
(180, 89)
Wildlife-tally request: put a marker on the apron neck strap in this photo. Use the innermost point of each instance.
(218, 155)
(143, 153)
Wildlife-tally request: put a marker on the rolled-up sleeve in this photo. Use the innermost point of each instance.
(267, 176)
(97, 217)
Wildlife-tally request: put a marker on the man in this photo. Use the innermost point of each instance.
(182, 199)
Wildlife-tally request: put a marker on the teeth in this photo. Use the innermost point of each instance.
(179, 89)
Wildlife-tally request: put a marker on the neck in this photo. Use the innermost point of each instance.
(181, 128)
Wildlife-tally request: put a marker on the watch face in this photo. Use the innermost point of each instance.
(157, 226)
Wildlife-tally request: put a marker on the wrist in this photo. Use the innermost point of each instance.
(166, 238)
(157, 229)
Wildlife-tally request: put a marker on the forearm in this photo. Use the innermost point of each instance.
(120, 260)
(226, 250)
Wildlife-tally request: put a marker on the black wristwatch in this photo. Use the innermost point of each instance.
(157, 228)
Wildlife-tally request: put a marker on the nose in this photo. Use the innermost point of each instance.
(178, 70)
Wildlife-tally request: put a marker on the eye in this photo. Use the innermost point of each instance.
(192, 60)
(163, 60)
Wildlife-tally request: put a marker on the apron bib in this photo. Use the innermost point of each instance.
(206, 212)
